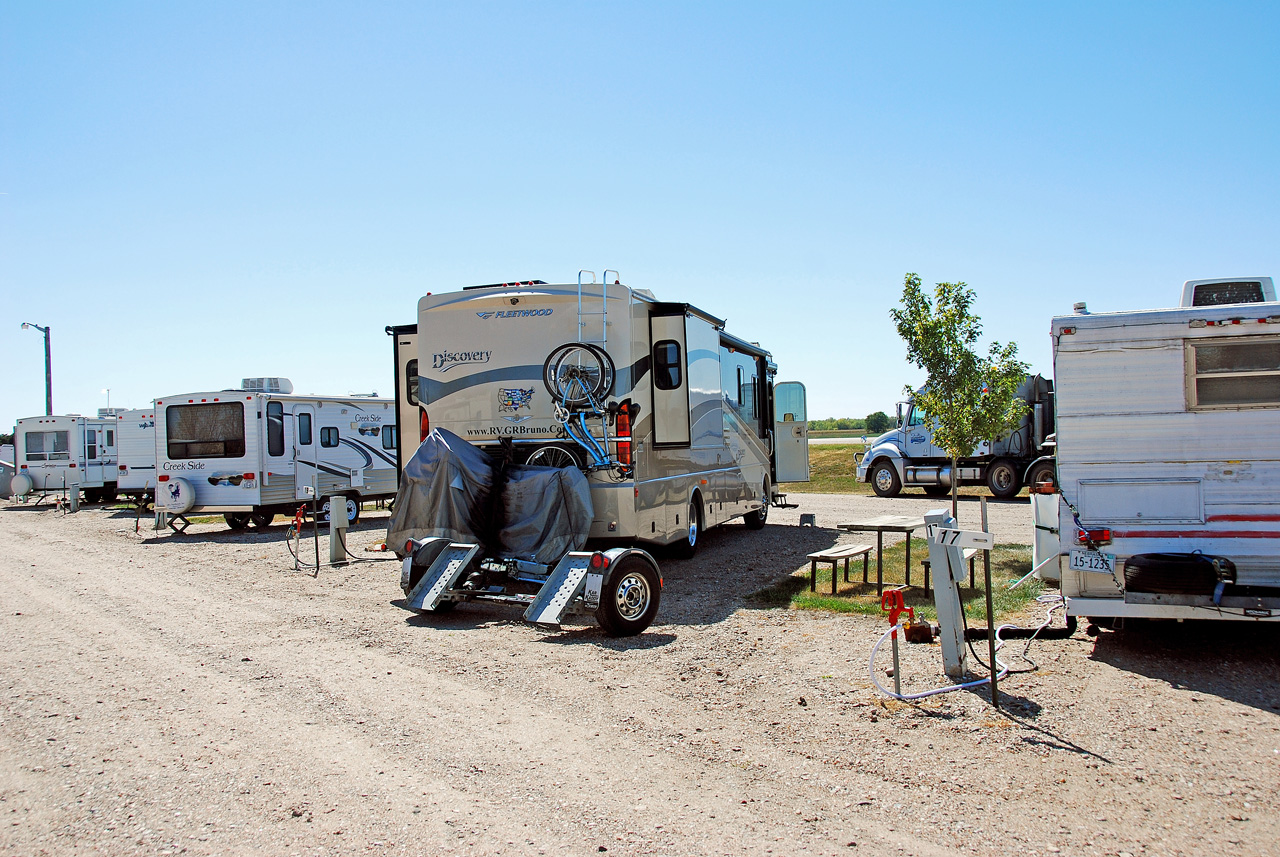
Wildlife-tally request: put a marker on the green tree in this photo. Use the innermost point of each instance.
(878, 423)
(969, 398)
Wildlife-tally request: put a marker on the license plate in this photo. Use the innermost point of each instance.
(1095, 561)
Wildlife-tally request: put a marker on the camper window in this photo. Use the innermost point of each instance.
(328, 436)
(275, 428)
(1234, 373)
(111, 438)
(389, 435)
(91, 444)
(214, 430)
(666, 365)
(411, 378)
(304, 429)
(47, 446)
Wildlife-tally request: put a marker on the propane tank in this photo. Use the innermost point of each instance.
(21, 485)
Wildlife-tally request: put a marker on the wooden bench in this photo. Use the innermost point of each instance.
(967, 553)
(834, 555)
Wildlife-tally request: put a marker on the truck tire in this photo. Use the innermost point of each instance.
(629, 599)
(884, 479)
(1002, 479)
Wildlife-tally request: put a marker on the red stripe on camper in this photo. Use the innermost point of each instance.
(1243, 518)
(1196, 534)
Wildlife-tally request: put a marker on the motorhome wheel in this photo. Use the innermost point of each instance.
(688, 546)
(757, 519)
(1002, 479)
(552, 456)
(884, 479)
(630, 597)
(236, 520)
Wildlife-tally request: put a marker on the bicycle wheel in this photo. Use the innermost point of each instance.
(577, 373)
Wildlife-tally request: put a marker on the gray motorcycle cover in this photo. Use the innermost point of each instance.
(446, 491)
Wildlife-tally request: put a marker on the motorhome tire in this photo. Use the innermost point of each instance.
(884, 479)
(629, 600)
(553, 455)
(688, 546)
(1042, 472)
(237, 520)
(1002, 479)
(261, 520)
(757, 519)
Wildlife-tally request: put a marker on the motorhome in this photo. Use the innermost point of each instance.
(136, 452)
(1168, 450)
(260, 451)
(55, 453)
(674, 419)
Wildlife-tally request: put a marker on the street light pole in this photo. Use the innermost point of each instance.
(48, 368)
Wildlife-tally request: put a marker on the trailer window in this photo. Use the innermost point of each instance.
(328, 436)
(666, 365)
(48, 446)
(411, 380)
(111, 437)
(214, 430)
(91, 444)
(275, 428)
(304, 429)
(1234, 373)
(390, 436)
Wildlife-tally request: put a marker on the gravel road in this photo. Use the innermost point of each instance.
(194, 694)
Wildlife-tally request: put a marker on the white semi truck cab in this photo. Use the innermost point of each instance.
(907, 457)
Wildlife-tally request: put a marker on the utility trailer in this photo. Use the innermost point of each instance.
(907, 456)
(1168, 433)
(136, 453)
(54, 453)
(259, 451)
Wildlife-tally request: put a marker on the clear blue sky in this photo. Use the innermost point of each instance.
(195, 193)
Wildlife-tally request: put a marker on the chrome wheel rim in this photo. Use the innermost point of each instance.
(632, 596)
(884, 478)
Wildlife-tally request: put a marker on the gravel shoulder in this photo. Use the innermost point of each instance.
(194, 694)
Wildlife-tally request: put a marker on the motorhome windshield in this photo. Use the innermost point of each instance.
(214, 430)
(48, 446)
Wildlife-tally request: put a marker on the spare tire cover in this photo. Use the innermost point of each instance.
(177, 495)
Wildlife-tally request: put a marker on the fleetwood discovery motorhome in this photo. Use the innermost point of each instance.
(256, 452)
(1168, 431)
(56, 452)
(675, 420)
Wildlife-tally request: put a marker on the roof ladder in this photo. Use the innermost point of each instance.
(586, 316)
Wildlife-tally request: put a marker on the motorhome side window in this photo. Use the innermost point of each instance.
(666, 365)
(304, 429)
(328, 436)
(275, 428)
(1238, 372)
(390, 435)
(213, 430)
(48, 446)
(411, 377)
(738, 378)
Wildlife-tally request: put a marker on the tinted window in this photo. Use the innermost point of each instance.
(275, 428)
(328, 436)
(389, 435)
(304, 430)
(1243, 371)
(666, 365)
(214, 430)
(411, 379)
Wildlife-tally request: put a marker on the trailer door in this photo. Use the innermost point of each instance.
(305, 453)
(669, 368)
(791, 432)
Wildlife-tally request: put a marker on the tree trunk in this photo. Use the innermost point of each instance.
(955, 488)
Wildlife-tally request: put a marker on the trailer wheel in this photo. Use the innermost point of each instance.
(1002, 479)
(353, 511)
(1043, 472)
(629, 600)
(757, 519)
(261, 520)
(237, 520)
(884, 479)
(688, 546)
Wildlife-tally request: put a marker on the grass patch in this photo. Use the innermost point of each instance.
(1008, 563)
(832, 470)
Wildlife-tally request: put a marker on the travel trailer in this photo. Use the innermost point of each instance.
(259, 451)
(55, 453)
(136, 452)
(1168, 450)
(674, 420)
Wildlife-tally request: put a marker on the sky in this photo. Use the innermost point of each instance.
(191, 194)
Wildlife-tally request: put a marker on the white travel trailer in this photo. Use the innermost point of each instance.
(1168, 443)
(671, 416)
(57, 452)
(136, 452)
(259, 451)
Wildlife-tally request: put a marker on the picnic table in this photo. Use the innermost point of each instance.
(886, 524)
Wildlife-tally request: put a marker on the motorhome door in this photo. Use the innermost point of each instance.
(305, 451)
(791, 432)
(669, 369)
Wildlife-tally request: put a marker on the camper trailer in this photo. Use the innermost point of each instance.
(55, 453)
(259, 451)
(136, 467)
(673, 418)
(1168, 452)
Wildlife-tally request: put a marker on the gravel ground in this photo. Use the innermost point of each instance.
(194, 694)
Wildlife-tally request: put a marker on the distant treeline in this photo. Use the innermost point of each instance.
(876, 423)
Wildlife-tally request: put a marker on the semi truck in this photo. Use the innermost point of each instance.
(907, 457)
